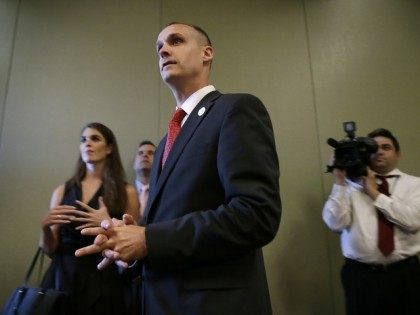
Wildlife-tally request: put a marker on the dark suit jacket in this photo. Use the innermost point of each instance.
(211, 208)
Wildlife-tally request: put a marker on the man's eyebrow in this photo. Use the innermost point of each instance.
(385, 145)
(170, 36)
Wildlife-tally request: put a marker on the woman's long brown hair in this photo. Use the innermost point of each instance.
(113, 177)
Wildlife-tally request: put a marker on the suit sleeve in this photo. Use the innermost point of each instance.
(249, 216)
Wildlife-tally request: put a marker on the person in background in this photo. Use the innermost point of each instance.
(142, 165)
(214, 198)
(378, 219)
(98, 183)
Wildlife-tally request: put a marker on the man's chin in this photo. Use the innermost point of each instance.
(380, 168)
(166, 75)
(378, 163)
(170, 77)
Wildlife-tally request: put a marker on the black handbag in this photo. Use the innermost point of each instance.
(26, 300)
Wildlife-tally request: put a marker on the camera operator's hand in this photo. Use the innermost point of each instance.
(339, 175)
(369, 184)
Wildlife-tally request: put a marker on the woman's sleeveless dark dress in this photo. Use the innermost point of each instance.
(91, 291)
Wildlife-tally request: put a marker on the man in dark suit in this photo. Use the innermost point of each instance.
(214, 198)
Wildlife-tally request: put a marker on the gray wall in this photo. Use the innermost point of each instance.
(314, 63)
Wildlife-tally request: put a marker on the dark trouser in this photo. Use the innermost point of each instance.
(135, 305)
(375, 289)
(132, 291)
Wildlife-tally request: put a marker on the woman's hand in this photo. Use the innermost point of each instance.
(58, 215)
(92, 217)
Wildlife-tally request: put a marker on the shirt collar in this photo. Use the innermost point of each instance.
(195, 98)
(395, 172)
(358, 185)
(140, 186)
(355, 184)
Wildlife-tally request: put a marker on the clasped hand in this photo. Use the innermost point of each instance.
(119, 241)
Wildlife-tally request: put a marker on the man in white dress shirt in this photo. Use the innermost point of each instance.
(378, 281)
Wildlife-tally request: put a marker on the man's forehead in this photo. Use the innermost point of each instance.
(383, 140)
(174, 29)
(147, 147)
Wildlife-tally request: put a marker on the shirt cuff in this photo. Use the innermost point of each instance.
(382, 202)
(134, 264)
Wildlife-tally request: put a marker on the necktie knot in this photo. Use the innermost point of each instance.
(384, 177)
(178, 116)
(383, 186)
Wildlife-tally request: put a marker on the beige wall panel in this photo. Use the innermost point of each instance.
(366, 66)
(74, 62)
(8, 13)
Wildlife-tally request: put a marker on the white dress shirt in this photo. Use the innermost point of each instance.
(140, 186)
(353, 213)
(143, 194)
(191, 102)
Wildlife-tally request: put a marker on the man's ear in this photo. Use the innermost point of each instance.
(208, 54)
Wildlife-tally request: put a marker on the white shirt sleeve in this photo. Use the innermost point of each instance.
(337, 212)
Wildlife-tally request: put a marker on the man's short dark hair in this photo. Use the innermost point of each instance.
(382, 132)
(197, 28)
(146, 142)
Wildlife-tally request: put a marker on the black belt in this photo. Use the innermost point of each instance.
(413, 260)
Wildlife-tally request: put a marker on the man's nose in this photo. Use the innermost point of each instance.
(164, 50)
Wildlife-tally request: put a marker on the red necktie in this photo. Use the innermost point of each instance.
(174, 128)
(385, 227)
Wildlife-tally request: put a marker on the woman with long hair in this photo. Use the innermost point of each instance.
(98, 190)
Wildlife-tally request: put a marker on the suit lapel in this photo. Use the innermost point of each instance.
(159, 175)
(157, 162)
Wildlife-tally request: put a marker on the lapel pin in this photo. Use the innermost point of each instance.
(201, 111)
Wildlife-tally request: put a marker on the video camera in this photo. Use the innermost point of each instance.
(352, 154)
